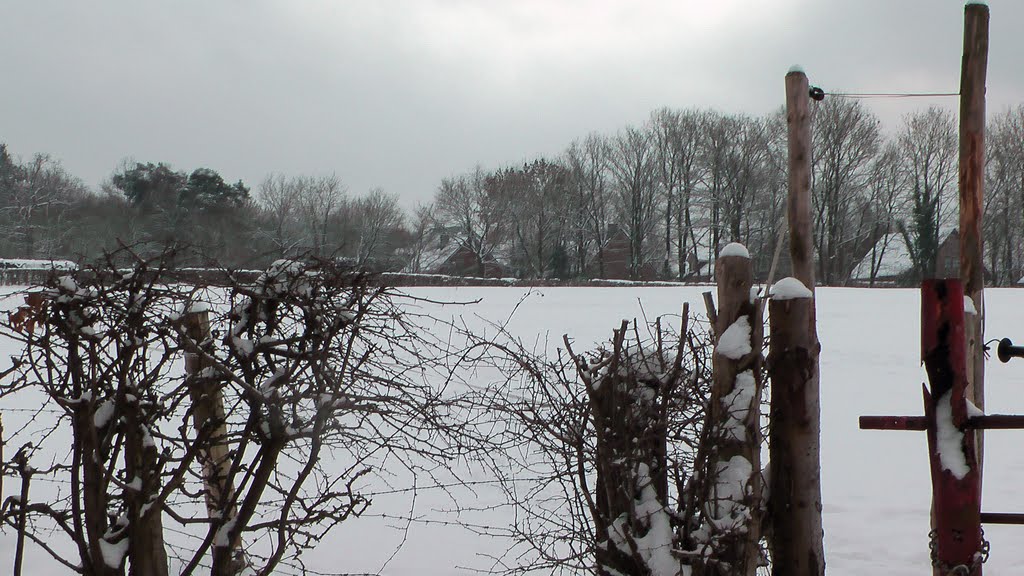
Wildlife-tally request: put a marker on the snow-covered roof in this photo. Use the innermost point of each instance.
(895, 259)
(433, 256)
(27, 264)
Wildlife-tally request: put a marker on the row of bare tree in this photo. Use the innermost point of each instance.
(45, 212)
(671, 191)
(688, 181)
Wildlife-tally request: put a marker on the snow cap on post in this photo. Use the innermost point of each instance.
(790, 289)
(796, 69)
(977, 3)
(735, 249)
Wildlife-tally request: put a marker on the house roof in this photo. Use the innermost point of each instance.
(895, 256)
(895, 259)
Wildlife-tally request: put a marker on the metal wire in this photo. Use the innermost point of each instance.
(890, 94)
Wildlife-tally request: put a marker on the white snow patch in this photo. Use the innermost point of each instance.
(113, 553)
(973, 410)
(949, 440)
(656, 545)
(243, 345)
(220, 539)
(796, 68)
(197, 307)
(735, 341)
(969, 307)
(29, 264)
(147, 438)
(790, 289)
(68, 283)
(269, 387)
(755, 292)
(977, 3)
(737, 405)
(734, 249)
(731, 482)
(104, 412)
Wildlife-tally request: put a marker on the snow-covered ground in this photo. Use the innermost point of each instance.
(875, 484)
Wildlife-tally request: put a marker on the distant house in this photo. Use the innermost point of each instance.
(889, 262)
(20, 271)
(617, 257)
(444, 252)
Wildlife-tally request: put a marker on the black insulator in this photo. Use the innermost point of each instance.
(817, 93)
(1007, 350)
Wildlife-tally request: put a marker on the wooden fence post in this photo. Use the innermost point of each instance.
(734, 466)
(972, 186)
(795, 500)
(956, 482)
(208, 418)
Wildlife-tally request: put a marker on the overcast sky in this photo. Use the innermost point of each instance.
(400, 94)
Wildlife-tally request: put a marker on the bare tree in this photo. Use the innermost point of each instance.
(928, 143)
(887, 197)
(1004, 185)
(534, 200)
(319, 201)
(423, 224)
(376, 217)
(846, 137)
(473, 209)
(633, 167)
(746, 157)
(720, 134)
(278, 196)
(35, 197)
(588, 162)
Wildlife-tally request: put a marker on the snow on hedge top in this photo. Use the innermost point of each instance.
(26, 264)
(735, 341)
(734, 249)
(790, 289)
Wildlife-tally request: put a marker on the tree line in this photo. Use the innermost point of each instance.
(663, 196)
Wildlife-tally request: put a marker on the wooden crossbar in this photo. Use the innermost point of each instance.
(918, 423)
(1002, 518)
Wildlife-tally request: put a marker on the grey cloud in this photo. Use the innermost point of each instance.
(400, 94)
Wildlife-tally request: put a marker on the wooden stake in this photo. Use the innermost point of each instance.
(798, 204)
(734, 417)
(972, 184)
(795, 501)
(956, 484)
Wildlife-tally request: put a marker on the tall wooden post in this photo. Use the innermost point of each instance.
(972, 185)
(798, 203)
(795, 500)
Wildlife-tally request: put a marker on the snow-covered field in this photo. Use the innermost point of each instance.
(875, 484)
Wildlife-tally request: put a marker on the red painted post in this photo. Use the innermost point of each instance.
(956, 484)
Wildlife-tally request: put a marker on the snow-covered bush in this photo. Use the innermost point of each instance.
(307, 380)
(602, 449)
